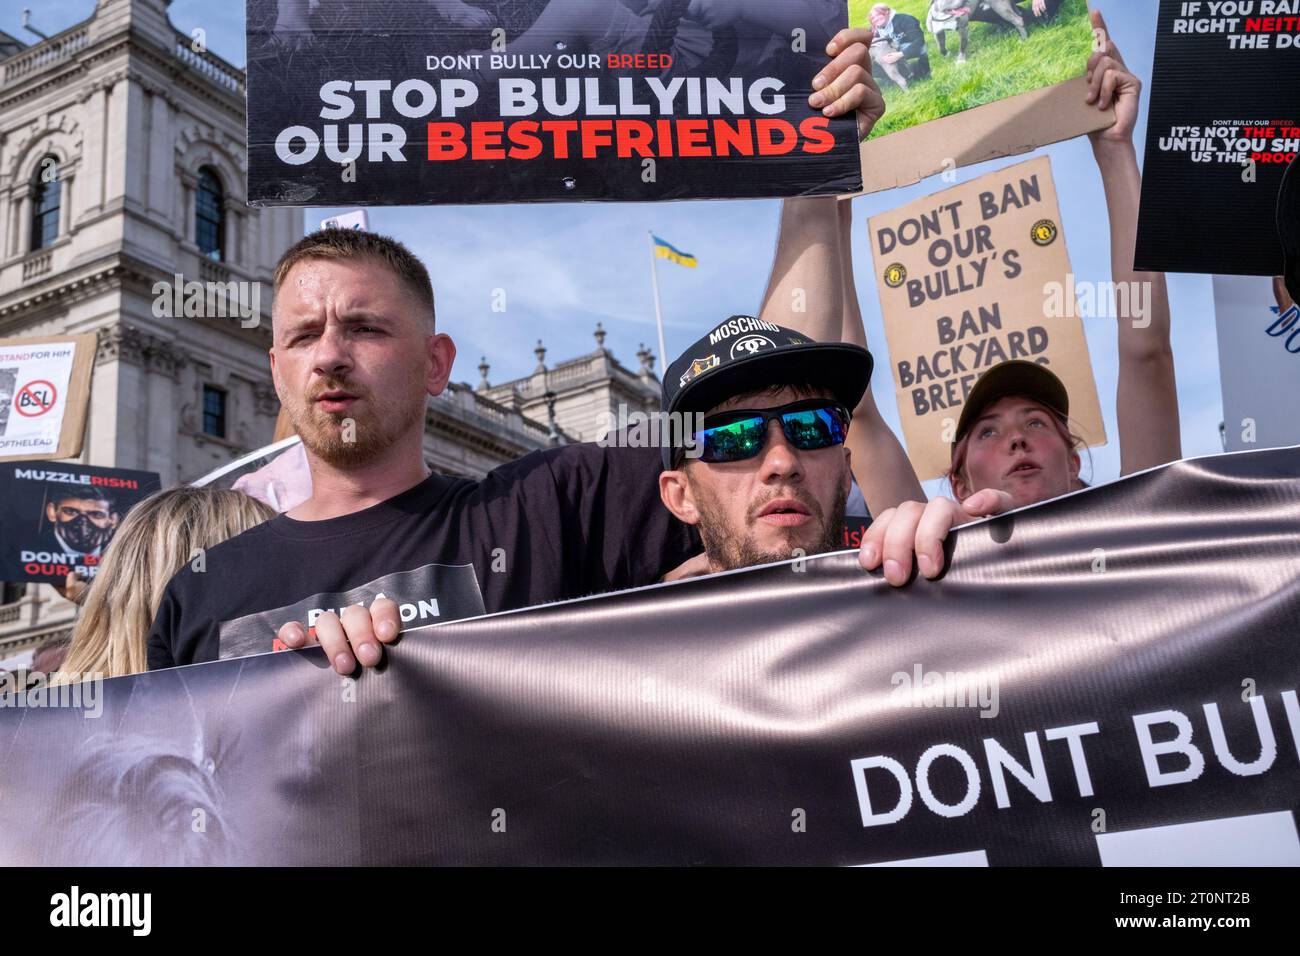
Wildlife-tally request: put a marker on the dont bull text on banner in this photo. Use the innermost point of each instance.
(1040, 704)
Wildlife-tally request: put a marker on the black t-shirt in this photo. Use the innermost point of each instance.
(554, 525)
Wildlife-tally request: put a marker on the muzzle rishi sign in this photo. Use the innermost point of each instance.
(56, 517)
(405, 102)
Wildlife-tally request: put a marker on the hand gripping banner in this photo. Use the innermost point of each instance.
(1103, 679)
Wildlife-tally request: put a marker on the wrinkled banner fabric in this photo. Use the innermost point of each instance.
(1102, 679)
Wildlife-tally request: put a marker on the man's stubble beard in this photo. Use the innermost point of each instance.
(728, 550)
(374, 430)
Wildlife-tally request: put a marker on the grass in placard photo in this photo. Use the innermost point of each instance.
(997, 62)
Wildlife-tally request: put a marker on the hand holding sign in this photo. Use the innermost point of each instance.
(638, 101)
(44, 392)
(1111, 83)
(847, 83)
(969, 278)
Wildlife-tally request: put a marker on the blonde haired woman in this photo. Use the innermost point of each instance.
(157, 538)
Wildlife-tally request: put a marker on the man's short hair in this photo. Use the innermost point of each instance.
(56, 491)
(343, 244)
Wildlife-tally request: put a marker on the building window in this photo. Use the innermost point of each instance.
(12, 592)
(214, 411)
(210, 215)
(46, 196)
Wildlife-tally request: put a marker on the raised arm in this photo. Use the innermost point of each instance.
(880, 464)
(1149, 433)
(812, 290)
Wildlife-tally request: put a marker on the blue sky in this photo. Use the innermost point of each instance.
(566, 267)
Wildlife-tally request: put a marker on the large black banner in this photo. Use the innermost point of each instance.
(398, 102)
(1107, 678)
(1224, 124)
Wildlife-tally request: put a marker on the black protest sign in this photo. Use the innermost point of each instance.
(56, 518)
(404, 102)
(1224, 124)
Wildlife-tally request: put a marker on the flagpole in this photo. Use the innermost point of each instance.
(659, 315)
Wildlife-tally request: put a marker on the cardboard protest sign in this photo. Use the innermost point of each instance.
(405, 101)
(970, 277)
(55, 519)
(1224, 125)
(1259, 364)
(966, 81)
(44, 392)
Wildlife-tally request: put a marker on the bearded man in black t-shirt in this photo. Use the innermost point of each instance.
(355, 355)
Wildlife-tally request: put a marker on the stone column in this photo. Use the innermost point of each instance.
(65, 205)
(189, 188)
(161, 153)
(9, 221)
(23, 235)
(118, 142)
(92, 122)
(233, 253)
(164, 401)
(140, 139)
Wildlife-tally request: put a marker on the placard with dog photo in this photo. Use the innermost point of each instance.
(966, 81)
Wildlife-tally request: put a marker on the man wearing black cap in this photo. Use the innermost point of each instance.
(1043, 463)
(1013, 447)
(765, 474)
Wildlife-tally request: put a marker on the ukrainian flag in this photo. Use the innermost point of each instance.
(664, 250)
